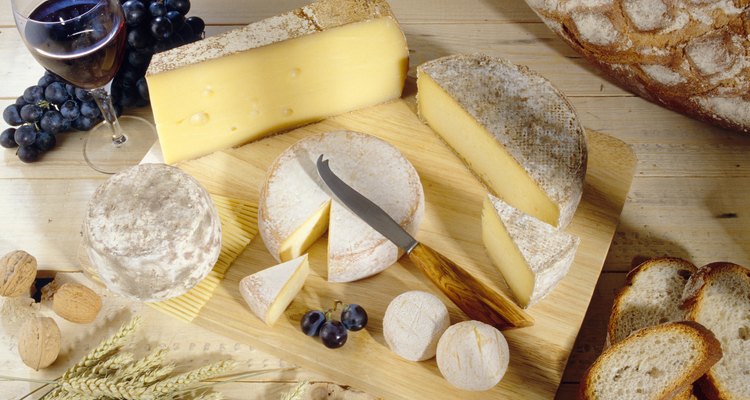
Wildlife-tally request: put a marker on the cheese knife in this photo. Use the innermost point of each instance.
(473, 297)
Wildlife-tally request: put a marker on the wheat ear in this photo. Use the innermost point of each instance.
(179, 382)
(104, 387)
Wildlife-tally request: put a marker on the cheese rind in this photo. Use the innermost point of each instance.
(151, 232)
(513, 129)
(413, 324)
(532, 255)
(473, 355)
(325, 59)
(270, 291)
(294, 194)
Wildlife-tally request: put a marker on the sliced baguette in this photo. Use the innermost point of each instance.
(652, 295)
(654, 363)
(718, 296)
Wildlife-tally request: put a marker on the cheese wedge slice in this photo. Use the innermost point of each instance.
(270, 291)
(532, 255)
(324, 59)
(293, 210)
(512, 128)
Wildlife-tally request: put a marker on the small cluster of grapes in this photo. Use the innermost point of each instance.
(46, 109)
(153, 26)
(334, 333)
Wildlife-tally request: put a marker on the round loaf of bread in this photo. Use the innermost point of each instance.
(692, 56)
(151, 232)
(473, 355)
(413, 324)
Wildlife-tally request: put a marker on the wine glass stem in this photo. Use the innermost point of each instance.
(104, 101)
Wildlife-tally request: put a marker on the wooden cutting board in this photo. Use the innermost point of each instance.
(452, 225)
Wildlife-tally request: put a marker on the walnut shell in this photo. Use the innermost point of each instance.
(76, 303)
(17, 271)
(39, 342)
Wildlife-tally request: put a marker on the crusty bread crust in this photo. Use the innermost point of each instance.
(707, 346)
(619, 307)
(689, 56)
(693, 300)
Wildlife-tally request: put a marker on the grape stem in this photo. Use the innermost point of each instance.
(330, 311)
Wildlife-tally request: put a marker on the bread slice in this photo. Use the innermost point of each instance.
(654, 363)
(718, 296)
(652, 295)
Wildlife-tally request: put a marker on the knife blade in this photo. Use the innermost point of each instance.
(472, 296)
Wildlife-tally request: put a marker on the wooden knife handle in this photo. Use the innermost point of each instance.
(470, 295)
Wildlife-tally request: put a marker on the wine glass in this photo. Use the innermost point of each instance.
(83, 42)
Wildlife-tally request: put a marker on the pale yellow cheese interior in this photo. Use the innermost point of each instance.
(306, 234)
(482, 153)
(234, 99)
(288, 292)
(505, 255)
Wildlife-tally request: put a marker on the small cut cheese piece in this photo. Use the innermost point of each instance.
(413, 324)
(324, 59)
(270, 291)
(473, 355)
(295, 207)
(151, 232)
(512, 128)
(532, 255)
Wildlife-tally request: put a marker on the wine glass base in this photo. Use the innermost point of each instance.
(107, 157)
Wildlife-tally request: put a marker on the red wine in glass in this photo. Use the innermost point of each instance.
(78, 39)
(83, 42)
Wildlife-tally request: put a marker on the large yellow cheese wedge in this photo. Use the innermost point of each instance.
(512, 128)
(324, 59)
(532, 255)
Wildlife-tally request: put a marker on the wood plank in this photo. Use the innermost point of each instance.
(241, 12)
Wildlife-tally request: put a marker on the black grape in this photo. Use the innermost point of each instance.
(25, 135)
(28, 154)
(7, 140)
(45, 141)
(12, 115)
(55, 93)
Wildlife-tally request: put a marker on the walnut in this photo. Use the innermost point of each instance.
(39, 342)
(17, 273)
(76, 303)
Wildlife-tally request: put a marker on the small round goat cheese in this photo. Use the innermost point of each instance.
(472, 355)
(413, 323)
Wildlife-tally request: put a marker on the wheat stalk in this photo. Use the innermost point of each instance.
(104, 387)
(180, 381)
(154, 375)
(106, 348)
(297, 393)
(152, 361)
(114, 363)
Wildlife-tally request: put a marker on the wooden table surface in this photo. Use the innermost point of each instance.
(689, 197)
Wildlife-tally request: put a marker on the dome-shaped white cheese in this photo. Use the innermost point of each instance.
(413, 323)
(472, 355)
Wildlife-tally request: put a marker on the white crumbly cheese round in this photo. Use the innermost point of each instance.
(294, 192)
(472, 355)
(413, 324)
(151, 232)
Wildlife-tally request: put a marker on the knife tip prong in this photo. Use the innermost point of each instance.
(321, 161)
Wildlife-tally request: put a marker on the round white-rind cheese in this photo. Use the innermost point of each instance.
(413, 324)
(294, 192)
(151, 232)
(473, 355)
